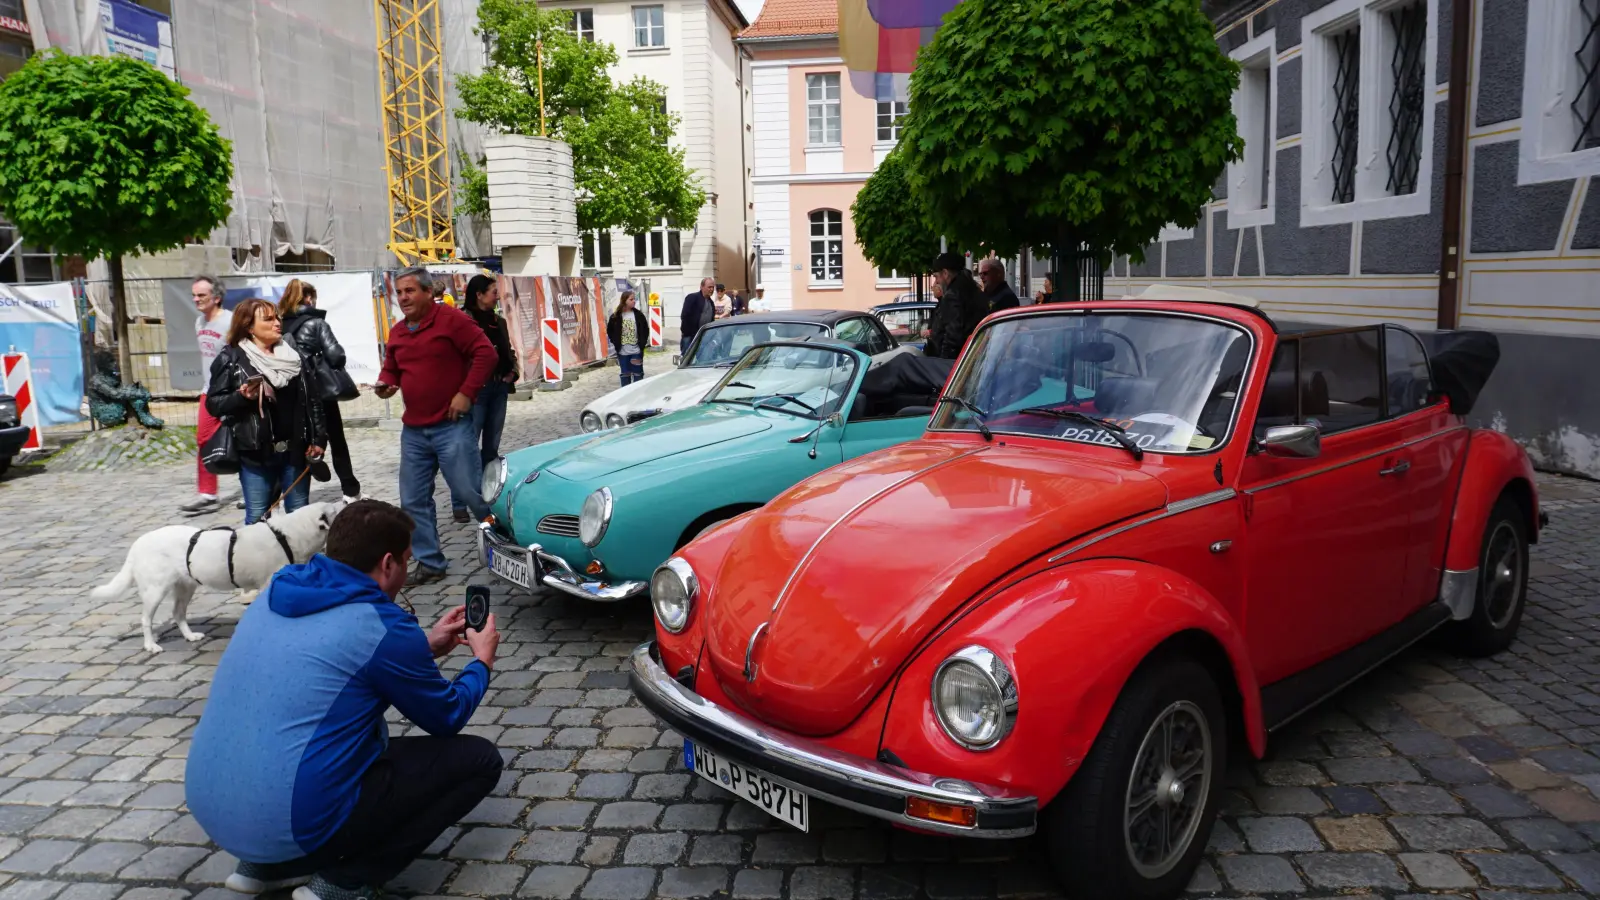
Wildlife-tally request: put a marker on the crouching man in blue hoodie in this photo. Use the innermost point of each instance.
(292, 769)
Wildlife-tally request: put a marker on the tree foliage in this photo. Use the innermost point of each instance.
(891, 223)
(1038, 121)
(628, 174)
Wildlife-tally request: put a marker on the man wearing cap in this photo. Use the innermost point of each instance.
(961, 307)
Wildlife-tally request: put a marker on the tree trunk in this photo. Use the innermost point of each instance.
(119, 320)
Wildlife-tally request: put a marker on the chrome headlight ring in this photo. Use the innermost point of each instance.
(975, 698)
(615, 421)
(590, 421)
(595, 517)
(494, 480)
(673, 588)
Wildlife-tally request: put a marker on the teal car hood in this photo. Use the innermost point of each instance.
(656, 439)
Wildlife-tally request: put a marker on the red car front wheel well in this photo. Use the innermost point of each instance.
(1205, 649)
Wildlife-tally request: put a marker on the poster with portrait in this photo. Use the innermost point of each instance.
(520, 305)
(579, 306)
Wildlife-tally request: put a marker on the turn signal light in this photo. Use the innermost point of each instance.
(943, 813)
(490, 519)
(595, 567)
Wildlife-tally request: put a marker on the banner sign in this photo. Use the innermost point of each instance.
(41, 320)
(132, 30)
(577, 303)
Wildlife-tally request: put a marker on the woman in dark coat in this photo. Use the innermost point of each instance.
(628, 330)
(308, 328)
(489, 412)
(261, 390)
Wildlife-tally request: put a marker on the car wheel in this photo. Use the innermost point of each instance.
(1132, 823)
(1502, 584)
(5, 463)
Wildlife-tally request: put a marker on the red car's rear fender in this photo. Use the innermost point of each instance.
(1494, 464)
(1072, 636)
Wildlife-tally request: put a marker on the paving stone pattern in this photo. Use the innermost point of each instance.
(1434, 776)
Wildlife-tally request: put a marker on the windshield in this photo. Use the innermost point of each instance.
(807, 381)
(1170, 382)
(723, 344)
(907, 324)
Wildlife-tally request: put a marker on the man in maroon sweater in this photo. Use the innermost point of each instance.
(438, 359)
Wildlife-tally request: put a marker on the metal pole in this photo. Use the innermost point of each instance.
(538, 52)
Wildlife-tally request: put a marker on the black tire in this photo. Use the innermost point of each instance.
(1100, 852)
(5, 463)
(1502, 591)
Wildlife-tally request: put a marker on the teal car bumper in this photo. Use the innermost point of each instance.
(530, 567)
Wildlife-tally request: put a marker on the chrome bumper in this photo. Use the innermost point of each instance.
(866, 786)
(553, 571)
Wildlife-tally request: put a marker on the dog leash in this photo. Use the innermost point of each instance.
(285, 492)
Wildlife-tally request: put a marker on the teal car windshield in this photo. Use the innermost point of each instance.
(722, 345)
(810, 382)
(1165, 383)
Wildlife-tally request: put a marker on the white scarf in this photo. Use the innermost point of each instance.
(279, 367)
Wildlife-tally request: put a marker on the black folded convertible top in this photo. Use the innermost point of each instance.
(1462, 363)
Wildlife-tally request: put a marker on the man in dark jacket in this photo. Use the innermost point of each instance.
(292, 769)
(698, 311)
(992, 275)
(961, 307)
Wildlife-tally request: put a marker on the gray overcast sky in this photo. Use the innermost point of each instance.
(750, 8)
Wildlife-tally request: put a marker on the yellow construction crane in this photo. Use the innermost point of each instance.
(416, 152)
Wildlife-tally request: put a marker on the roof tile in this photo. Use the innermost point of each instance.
(795, 18)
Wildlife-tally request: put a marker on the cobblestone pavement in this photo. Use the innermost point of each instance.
(1434, 776)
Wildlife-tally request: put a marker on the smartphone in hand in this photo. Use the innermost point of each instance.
(477, 606)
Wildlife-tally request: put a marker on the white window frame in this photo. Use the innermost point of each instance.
(1372, 199)
(893, 91)
(665, 232)
(819, 108)
(651, 29)
(587, 34)
(811, 235)
(1249, 204)
(1174, 233)
(596, 240)
(1549, 78)
(893, 280)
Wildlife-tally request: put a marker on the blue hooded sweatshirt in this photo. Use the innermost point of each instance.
(296, 711)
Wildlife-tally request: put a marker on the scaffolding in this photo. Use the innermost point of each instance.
(416, 155)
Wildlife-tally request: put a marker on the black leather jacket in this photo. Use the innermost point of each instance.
(309, 330)
(614, 329)
(255, 433)
(961, 307)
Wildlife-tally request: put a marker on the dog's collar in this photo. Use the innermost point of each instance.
(282, 542)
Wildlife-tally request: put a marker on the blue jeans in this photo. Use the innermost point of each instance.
(263, 483)
(632, 367)
(488, 423)
(447, 447)
(683, 345)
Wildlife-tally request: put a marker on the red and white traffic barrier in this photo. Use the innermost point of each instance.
(19, 384)
(655, 326)
(550, 337)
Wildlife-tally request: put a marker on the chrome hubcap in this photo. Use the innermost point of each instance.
(1166, 793)
(1502, 575)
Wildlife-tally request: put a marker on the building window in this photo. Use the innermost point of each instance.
(597, 250)
(892, 100)
(1561, 92)
(1368, 107)
(827, 245)
(583, 24)
(649, 26)
(28, 262)
(661, 247)
(1250, 185)
(822, 109)
(1586, 104)
(13, 9)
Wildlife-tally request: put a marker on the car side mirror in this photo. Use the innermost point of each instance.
(1292, 441)
(677, 360)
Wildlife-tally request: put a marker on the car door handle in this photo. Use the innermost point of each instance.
(1399, 468)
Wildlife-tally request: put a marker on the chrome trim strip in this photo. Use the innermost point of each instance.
(1202, 500)
(1172, 509)
(1458, 590)
(1350, 462)
(563, 577)
(841, 775)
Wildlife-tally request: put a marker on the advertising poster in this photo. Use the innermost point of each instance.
(41, 320)
(132, 30)
(520, 305)
(580, 307)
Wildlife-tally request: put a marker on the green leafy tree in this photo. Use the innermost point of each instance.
(891, 223)
(1054, 122)
(627, 173)
(105, 156)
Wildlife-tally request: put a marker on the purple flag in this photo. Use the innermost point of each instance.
(910, 13)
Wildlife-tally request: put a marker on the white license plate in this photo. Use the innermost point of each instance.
(507, 565)
(779, 800)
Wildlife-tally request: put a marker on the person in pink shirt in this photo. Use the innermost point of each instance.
(210, 329)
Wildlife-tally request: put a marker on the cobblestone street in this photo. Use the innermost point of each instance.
(1435, 775)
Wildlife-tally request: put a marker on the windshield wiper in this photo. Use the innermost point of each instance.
(740, 384)
(1117, 432)
(978, 414)
(785, 397)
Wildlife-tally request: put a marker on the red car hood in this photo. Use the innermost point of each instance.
(863, 561)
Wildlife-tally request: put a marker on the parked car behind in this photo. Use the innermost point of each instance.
(13, 434)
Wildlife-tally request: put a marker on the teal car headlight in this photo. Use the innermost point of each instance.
(595, 518)
(672, 591)
(494, 480)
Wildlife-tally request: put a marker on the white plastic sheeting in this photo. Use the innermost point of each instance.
(294, 85)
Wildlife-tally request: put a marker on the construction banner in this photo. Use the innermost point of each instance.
(41, 320)
(577, 303)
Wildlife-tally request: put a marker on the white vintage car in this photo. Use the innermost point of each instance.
(720, 345)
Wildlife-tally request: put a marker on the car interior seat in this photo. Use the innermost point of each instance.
(1125, 395)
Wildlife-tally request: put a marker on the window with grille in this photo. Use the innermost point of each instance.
(661, 247)
(1586, 103)
(596, 250)
(583, 24)
(823, 124)
(827, 245)
(649, 26)
(1346, 112)
(1408, 77)
(892, 103)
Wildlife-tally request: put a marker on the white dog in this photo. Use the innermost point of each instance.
(170, 562)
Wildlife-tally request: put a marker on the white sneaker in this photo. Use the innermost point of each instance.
(245, 880)
(349, 499)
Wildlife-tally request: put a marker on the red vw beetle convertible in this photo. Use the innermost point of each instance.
(1133, 532)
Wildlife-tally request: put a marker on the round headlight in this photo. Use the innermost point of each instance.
(975, 698)
(614, 421)
(494, 479)
(589, 421)
(672, 590)
(596, 516)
